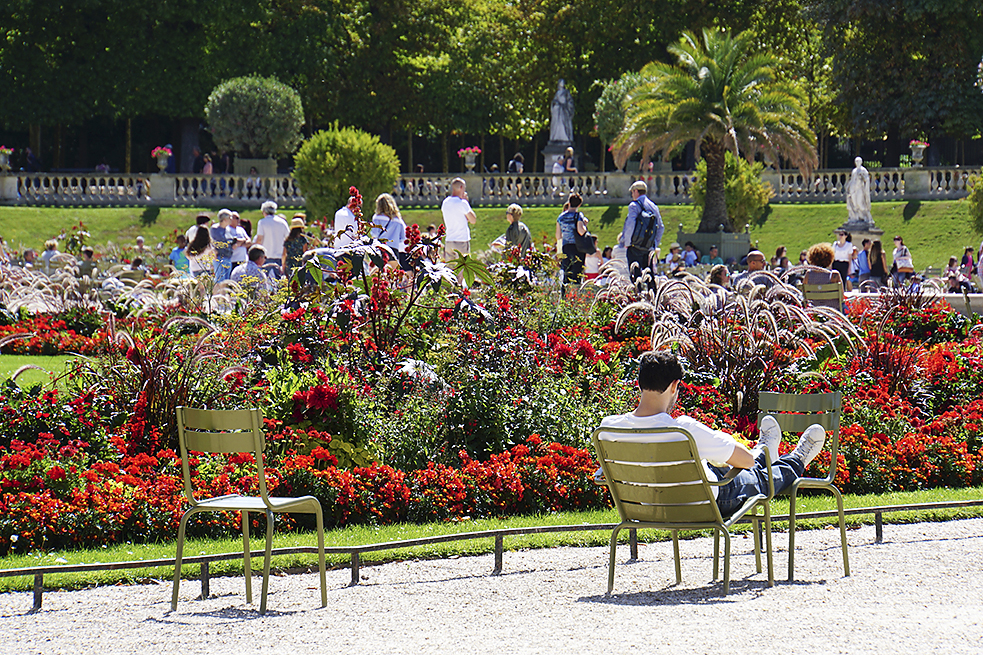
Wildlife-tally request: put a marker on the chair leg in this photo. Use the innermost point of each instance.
(726, 560)
(614, 550)
(791, 536)
(770, 554)
(756, 529)
(266, 562)
(839, 508)
(247, 565)
(320, 555)
(177, 557)
(675, 551)
(716, 554)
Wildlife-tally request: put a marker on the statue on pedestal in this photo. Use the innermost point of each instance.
(561, 116)
(858, 195)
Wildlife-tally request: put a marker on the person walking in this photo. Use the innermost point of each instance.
(271, 231)
(566, 223)
(295, 245)
(642, 231)
(902, 267)
(458, 217)
(388, 227)
(878, 263)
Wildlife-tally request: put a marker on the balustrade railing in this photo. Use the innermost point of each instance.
(82, 189)
(429, 190)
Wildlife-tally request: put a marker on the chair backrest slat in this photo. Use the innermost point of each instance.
(672, 495)
(772, 402)
(684, 473)
(218, 419)
(703, 513)
(640, 451)
(219, 442)
(799, 422)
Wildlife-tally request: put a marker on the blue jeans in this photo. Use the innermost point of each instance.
(754, 481)
(272, 267)
(223, 269)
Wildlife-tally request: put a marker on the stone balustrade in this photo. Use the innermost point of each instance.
(428, 190)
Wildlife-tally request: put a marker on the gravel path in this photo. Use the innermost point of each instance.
(918, 592)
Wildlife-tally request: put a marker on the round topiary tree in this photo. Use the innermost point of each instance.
(255, 117)
(333, 160)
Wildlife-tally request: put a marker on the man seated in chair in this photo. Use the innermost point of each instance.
(659, 375)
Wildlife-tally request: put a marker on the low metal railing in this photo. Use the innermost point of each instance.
(355, 552)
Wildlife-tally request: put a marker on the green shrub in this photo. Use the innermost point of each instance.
(333, 160)
(609, 110)
(975, 200)
(747, 195)
(255, 117)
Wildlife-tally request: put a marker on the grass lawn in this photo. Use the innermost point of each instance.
(360, 535)
(933, 231)
(50, 364)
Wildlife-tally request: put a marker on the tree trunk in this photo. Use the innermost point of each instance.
(443, 152)
(715, 202)
(410, 168)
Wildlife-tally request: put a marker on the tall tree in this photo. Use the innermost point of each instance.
(905, 68)
(723, 96)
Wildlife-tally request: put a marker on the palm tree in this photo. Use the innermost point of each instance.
(724, 97)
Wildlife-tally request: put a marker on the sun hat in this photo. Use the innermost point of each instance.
(297, 222)
(674, 244)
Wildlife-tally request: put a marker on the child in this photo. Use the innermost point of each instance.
(592, 263)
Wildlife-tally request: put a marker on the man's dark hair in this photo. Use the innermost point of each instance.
(201, 219)
(657, 369)
(256, 253)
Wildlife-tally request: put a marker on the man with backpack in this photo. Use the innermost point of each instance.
(643, 229)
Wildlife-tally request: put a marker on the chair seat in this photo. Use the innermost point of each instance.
(253, 503)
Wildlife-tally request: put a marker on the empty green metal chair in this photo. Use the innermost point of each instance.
(237, 431)
(794, 413)
(657, 480)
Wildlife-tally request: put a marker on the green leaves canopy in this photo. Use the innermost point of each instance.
(255, 117)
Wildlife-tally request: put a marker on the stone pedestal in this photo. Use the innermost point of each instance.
(553, 150)
(8, 187)
(861, 231)
(162, 189)
(916, 183)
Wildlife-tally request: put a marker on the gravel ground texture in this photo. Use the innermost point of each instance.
(917, 592)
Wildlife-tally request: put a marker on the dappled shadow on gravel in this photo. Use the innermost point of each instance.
(740, 592)
(226, 613)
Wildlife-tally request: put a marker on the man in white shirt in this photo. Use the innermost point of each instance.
(240, 252)
(659, 375)
(250, 274)
(457, 217)
(271, 231)
(345, 229)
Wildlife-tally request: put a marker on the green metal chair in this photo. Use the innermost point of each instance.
(657, 480)
(794, 413)
(824, 295)
(237, 431)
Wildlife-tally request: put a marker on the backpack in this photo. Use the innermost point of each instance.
(643, 236)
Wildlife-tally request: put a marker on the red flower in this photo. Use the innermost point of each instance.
(323, 397)
(56, 473)
(298, 353)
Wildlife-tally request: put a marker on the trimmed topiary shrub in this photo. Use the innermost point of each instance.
(333, 160)
(255, 117)
(747, 195)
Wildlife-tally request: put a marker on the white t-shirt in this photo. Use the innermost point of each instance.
(842, 253)
(343, 219)
(273, 230)
(241, 253)
(455, 211)
(713, 445)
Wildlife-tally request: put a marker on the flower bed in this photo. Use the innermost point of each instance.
(395, 396)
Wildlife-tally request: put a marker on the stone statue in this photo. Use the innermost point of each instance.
(858, 195)
(561, 115)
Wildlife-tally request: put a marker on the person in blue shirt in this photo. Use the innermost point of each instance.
(863, 264)
(640, 202)
(712, 257)
(178, 259)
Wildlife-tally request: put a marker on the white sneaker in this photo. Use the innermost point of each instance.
(770, 435)
(810, 444)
